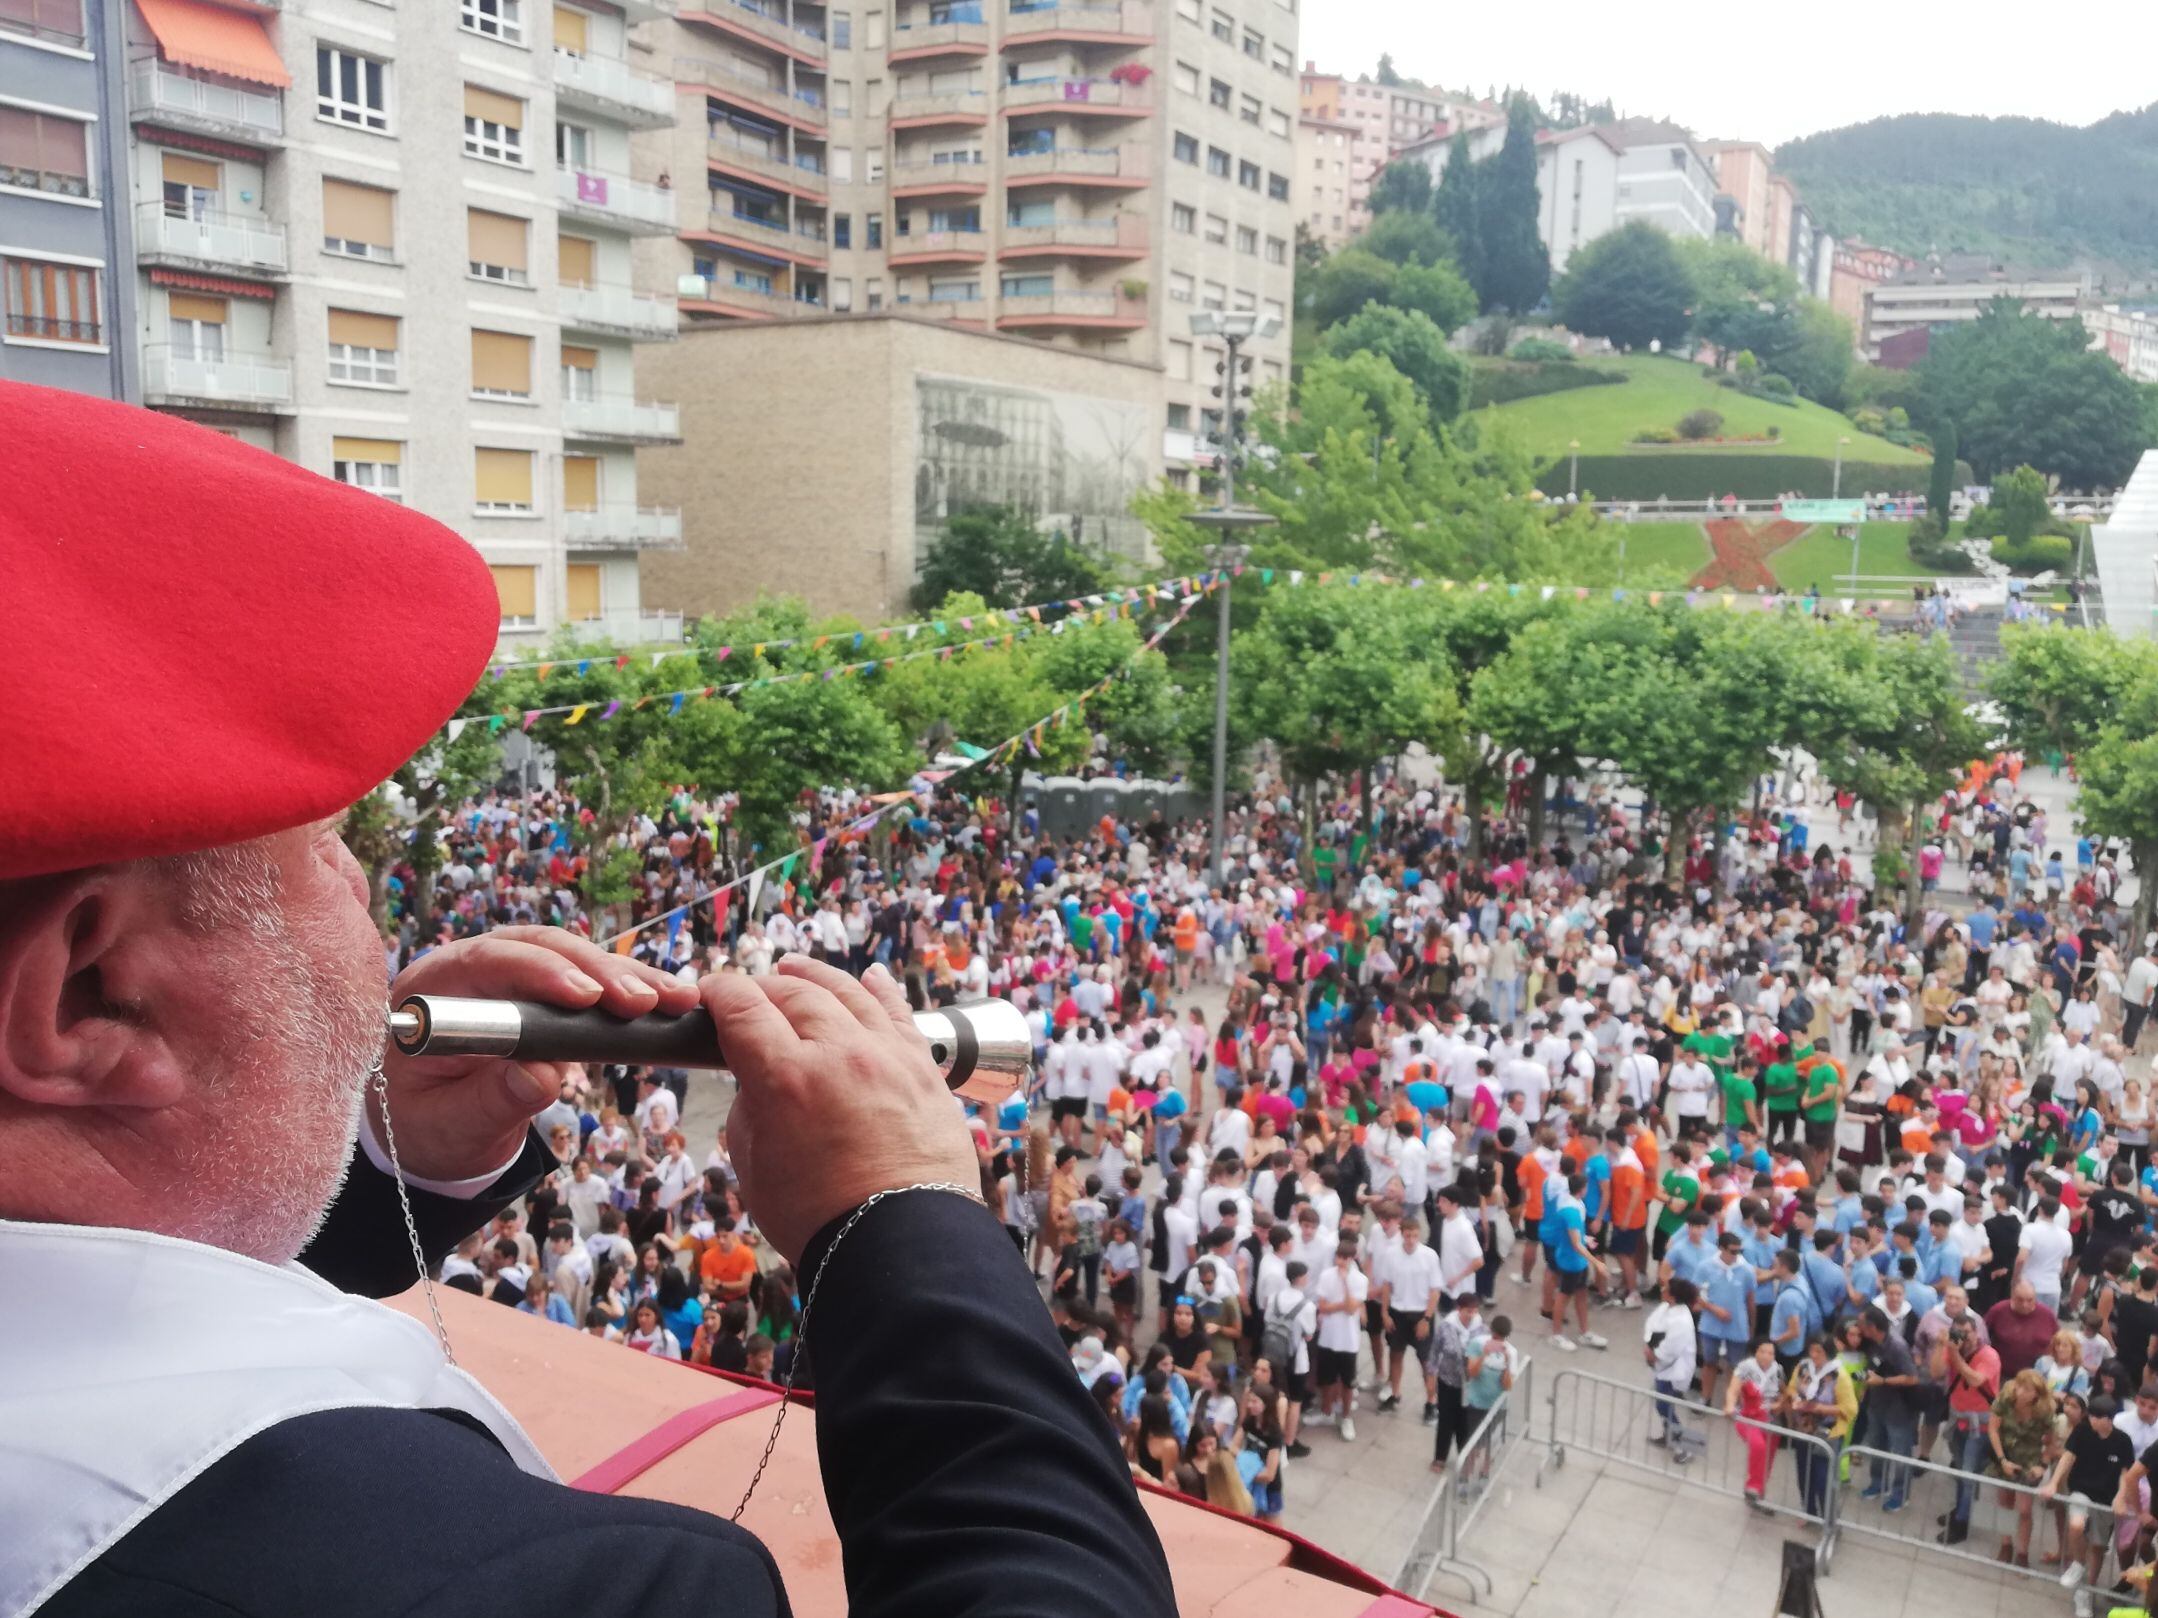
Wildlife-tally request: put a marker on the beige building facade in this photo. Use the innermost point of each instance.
(1086, 176)
(1327, 206)
(392, 243)
(905, 420)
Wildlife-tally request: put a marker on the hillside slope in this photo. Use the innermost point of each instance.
(2024, 190)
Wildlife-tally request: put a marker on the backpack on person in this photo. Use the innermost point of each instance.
(1278, 1338)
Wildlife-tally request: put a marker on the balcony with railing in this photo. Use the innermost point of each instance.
(762, 24)
(1108, 168)
(613, 89)
(800, 243)
(177, 375)
(926, 41)
(770, 168)
(618, 311)
(603, 198)
(1120, 238)
(620, 419)
(923, 247)
(623, 528)
(163, 94)
(1126, 24)
(247, 243)
(729, 300)
(803, 109)
(1081, 98)
(929, 109)
(1072, 309)
(623, 628)
(962, 311)
(939, 177)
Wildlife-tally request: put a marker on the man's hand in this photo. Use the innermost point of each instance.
(458, 1117)
(838, 1098)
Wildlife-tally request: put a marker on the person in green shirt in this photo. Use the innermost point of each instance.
(1820, 1100)
(1741, 1101)
(1781, 1083)
(1680, 1190)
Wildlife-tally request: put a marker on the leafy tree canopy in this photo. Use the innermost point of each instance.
(1402, 186)
(1630, 286)
(1001, 554)
(1415, 347)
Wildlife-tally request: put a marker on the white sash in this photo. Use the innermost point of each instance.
(129, 1363)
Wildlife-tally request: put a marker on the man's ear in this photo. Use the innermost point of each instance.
(83, 958)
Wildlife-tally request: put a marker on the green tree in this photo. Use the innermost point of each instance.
(1386, 74)
(1001, 554)
(1415, 347)
(2055, 691)
(1439, 292)
(2024, 389)
(1346, 282)
(1740, 299)
(1629, 286)
(1817, 354)
(1514, 266)
(1402, 186)
(2118, 796)
(2019, 500)
(1941, 488)
(441, 775)
(1338, 680)
(1456, 206)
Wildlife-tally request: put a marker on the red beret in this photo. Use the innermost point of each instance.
(210, 644)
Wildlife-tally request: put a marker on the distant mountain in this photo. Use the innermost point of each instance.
(2025, 190)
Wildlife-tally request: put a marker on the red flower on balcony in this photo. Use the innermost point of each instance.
(1131, 73)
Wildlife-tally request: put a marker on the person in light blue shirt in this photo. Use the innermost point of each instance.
(1726, 1323)
(1850, 1209)
(1760, 1250)
(1916, 1292)
(1596, 1199)
(1942, 1258)
(1825, 1282)
(1983, 923)
(1791, 1317)
(1689, 1256)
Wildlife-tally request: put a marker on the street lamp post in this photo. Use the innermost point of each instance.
(1573, 468)
(1234, 327)
(1835, 487)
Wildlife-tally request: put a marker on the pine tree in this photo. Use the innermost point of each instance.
(1943, 483)
(1515, 267)
(1456, 206)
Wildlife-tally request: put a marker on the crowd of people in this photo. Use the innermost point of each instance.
(1886, 1185)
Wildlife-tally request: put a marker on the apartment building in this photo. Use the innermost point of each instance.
(1385, 118)
(2128, 335)
(66, 301)
(1744, 172)
(390, 240)
(1080, 175)
(1326, 204)
(1956, 291)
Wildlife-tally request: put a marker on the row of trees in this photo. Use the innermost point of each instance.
(1483, 212)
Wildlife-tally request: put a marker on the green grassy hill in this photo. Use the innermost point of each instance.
(1656, 393)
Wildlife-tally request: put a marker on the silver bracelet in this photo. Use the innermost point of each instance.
(809, 1302)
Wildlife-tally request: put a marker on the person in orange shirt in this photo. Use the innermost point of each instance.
(1185, 935)
(728, 1263)
(1629, 1215)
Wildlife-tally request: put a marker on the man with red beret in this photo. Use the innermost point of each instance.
(217, 653)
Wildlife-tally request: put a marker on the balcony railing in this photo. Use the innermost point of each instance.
(923, 38)
(957, 104)
(773, 165)
(921, 172)
(615, 199)
(618, 309)
(613, 86)
(609, 528)
(926, 244)
(800, 36)
(1127, 21)
(767, 305)
(781, 237)
(170, 373)
(618, 417)
(1076, 162)
(974, 308)
(627, 628)
(803, 106)
(1079, 94)
(1122, 233)
(244, 241)
(1017, 308)
(174, 97)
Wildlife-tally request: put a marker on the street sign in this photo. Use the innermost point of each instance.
(1833, 511)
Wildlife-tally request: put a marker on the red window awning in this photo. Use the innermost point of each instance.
(217, 284)
(216, 39)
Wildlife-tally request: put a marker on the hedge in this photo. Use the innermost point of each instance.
(1699, 475)
(1502, 384)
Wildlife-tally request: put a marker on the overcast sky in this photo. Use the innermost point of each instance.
(1814, 65)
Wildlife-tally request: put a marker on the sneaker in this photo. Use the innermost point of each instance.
(1299, 1450)
(1954, 1534)
(1659, 1439)
(1348, 1429)
(2072, 1575)
(1872, 1491)
(1389, 1401)
(1682, 1456)
(1895, 1503)
(1320, 1418)
(1632, 1300)
(1431, 1415)
(1564, 1343)
(1590, 1339)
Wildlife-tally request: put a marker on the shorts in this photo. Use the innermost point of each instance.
(1625, 1243)
(1723, 1350)
(1525, 1234)
(1297, 1385)
(1375, 1318)
(2096, 1520)
(1571, 1281)
(1821, 1136)
(1067, 1107)
(1401, 1327)
(1336, 1367)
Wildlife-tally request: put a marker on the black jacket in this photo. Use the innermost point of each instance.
(966, 1468)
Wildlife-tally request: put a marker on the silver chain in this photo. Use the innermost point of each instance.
(809, 1302)
(404, 1199)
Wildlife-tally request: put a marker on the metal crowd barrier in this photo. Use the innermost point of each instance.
(1930, 1499)
(1458, 1498)
(1616, 1421)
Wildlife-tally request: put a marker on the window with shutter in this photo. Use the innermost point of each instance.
(501, 364)
(191, 185)
(363, 348)
(582, 582)
(57, 20)
(569, 30)
(580, 482)
(42, 152)
(373, 464)
(502, 479)
(580, 373)
(576, 257)
(495, 246)
(196, 325)
(357, 220)
(516, 588)
(55, 303)
(494, 126)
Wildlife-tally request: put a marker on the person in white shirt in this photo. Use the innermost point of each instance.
(1461, 1250)
(1105, 1063)
(1671, 1349)
(1408, 1285)
(1638, 1075)
(657, 1111)
(1691, 1084)
(1410, 1162)
(1339, 1295)
(1179, 1239)
(1229, 1130)
(1313, 1242)
(2041, 1251)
